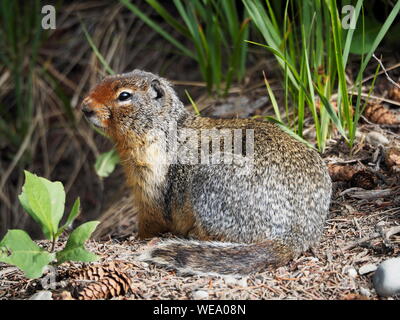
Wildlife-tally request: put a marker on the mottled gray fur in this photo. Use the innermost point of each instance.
(264, 212)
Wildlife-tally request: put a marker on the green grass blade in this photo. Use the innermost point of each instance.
(332, 113)
(350, 32)
(96, 51)
(289, 131)
(292, 73)
(157, 28)
(273, 99)
(168, 18)
(194, 105)
(388, 22)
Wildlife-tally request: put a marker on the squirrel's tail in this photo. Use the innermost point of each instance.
(217, 258)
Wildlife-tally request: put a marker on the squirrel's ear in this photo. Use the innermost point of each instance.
(158, 91)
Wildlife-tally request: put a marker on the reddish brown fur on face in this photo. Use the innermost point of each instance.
(104, 93)
(100, 100)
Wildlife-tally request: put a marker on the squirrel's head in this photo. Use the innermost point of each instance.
(137, 101)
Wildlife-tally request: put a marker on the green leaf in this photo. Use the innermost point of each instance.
(74, 213)
(106, 162)
(71, 217)
(74, 249)
(23, 199)
(44, 201)
(18, 249)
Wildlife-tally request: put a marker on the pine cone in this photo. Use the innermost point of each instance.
(392, 159)
(377, 113)
(105, 281)
(364, 179)
(394, 94)
(108, 287)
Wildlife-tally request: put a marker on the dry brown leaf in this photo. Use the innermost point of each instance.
(377, 113)
(341, 172)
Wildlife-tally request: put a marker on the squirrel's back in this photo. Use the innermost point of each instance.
(244, 192)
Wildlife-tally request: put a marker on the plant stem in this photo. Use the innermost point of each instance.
(53, 244)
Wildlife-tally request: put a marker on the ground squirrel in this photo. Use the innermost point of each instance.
(262, 208)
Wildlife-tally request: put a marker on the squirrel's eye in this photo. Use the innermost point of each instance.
(123, 96)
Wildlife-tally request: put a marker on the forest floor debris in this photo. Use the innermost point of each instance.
(362, 231)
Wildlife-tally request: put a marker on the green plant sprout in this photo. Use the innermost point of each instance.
(44, 201)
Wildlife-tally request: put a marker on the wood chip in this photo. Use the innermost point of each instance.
(368, 194)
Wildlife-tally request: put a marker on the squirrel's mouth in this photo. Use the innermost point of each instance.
(95, 121)
(93, 116)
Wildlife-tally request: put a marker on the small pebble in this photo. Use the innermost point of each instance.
(352, 272)
(42, 295)
(367, 268)
(200, 295)
(365, 292)
(375, 138)
(242, 282)
(387, 278)
(381, 224)
(231, 280)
